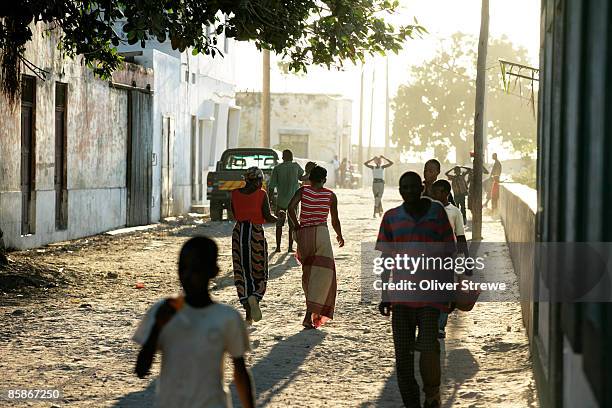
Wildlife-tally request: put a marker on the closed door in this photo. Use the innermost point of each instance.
(28, 165)
(139, 160)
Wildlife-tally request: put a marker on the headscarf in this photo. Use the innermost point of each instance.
(253, 174)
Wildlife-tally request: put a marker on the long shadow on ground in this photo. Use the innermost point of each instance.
(274, 372)
(138, 399)
(276, 269)
(462, 365)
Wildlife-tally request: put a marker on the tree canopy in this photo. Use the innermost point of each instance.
(304, 32)
(435, 110)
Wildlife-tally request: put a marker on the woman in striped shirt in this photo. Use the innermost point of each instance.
(315, 251)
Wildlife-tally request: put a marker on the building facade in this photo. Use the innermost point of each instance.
(195, 118)
(68, 168)
(314, 126)
(571, 342)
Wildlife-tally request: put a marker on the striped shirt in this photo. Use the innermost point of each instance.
(315, 206)
(399, 228)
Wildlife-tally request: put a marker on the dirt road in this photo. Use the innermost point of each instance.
(77, 337)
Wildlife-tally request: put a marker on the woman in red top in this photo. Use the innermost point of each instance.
(251, 209)
(315, 251)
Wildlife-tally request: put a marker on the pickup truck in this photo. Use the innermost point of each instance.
(228, 176)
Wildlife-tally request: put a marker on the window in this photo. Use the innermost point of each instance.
(61, 165)
(187, 76)
(193, 78)
(297, 143)
(243, 161)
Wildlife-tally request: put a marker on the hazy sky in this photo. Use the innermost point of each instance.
(519, 20)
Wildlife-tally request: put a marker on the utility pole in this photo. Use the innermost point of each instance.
(386, 106)
(360, 151)
(371, 112)
(265, 100)
(479, 125)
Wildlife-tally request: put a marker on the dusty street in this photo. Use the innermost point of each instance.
(77, 337)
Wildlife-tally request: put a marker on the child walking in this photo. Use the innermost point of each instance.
(441, 190)
(193, 334)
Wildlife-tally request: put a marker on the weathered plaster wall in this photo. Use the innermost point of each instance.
(96, 152)
(178, 96)
(325, 118)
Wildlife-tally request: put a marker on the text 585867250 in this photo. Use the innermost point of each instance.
(30, 394)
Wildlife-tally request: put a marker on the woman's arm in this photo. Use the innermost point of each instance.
(295, 200)
(335, 220)
(265, 209)
(389, 162)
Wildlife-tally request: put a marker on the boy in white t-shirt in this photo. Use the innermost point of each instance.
(193, 334)
(440, 191)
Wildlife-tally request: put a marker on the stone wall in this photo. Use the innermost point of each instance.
(517, 209)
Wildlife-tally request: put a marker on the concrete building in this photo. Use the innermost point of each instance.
(195, 118)
(70, 156)
(315, 126)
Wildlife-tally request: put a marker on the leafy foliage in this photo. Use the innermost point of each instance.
(436, 109)
(304, 32)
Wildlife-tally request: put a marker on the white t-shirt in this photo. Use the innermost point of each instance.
(456, 219)
(193, 344)
(378, 173)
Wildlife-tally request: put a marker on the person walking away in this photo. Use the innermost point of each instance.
(378, 180)
(286, 180)
(418, 220)
(315, 251)
(343, 170)
(193, 333)
(307, 169)
(441, 190)
(251, 208)
(460, 187)
(336, 166)
(493, 192)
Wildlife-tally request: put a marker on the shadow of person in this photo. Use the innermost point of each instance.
(389, 396)
(281, 366)
(138, 399)
(460, 367)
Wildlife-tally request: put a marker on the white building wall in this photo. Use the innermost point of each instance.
(96, 147)
(188, 86)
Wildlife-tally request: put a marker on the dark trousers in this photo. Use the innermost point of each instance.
(460, 200)
(404, 321)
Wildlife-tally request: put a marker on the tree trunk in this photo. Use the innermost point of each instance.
(479, 122)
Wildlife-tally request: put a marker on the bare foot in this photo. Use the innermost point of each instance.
(255, 310)
(277, 249)
(307, 322)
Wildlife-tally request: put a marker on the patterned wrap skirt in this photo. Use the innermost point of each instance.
(250, 259)
(316, 255)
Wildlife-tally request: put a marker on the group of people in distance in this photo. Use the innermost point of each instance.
(193, 332)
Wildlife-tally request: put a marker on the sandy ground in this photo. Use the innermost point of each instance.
(76, 337)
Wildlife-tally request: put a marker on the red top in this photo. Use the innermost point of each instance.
(315, 206)
(247, 207)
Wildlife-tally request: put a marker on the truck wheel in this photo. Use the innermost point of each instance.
(216, 211)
